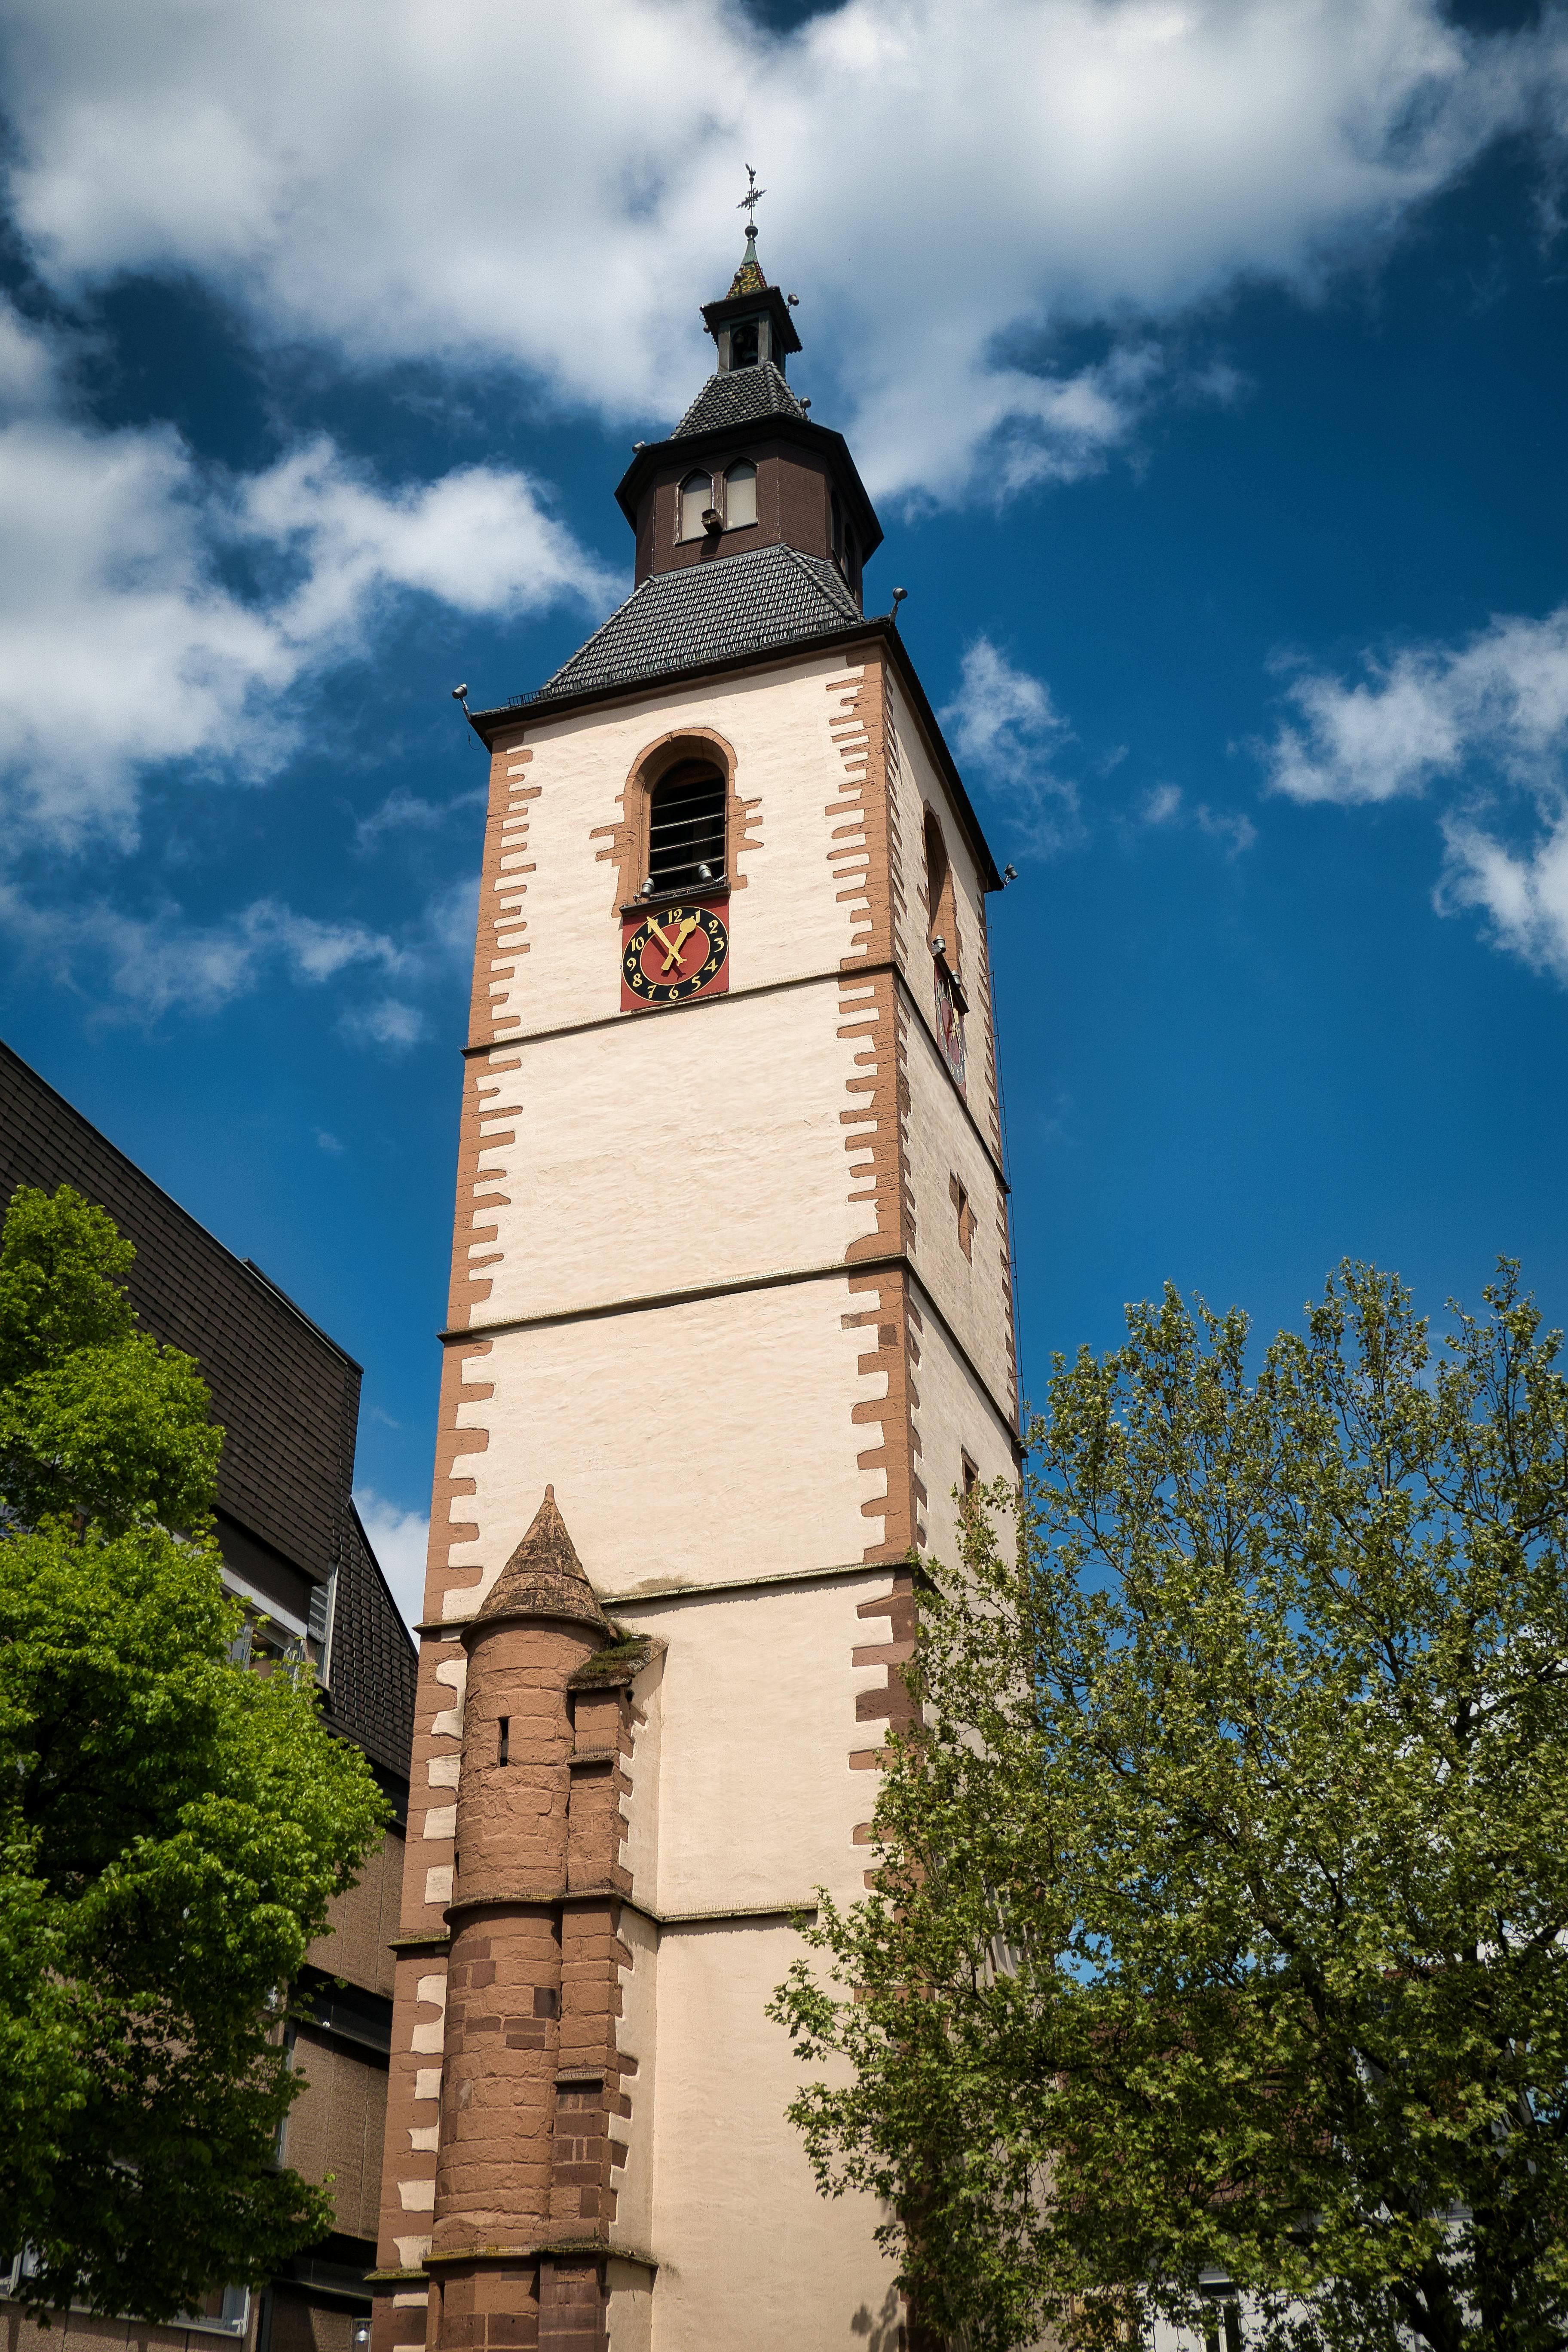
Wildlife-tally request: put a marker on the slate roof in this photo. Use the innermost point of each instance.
(286, 1394)
(371, 1698)
(738, 397)
(732, 606)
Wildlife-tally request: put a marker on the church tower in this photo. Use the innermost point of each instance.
(731, 1322)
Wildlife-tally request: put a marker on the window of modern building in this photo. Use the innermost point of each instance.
(740, 495)
(696, 497)
(686, 827)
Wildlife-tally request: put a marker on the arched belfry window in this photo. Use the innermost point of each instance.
(741, 495)
(941, 922)
(685, 827)
(745, 339)
(696, 497)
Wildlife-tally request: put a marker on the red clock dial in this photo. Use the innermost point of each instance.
(679, 951)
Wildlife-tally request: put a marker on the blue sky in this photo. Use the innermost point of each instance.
(1206, 365)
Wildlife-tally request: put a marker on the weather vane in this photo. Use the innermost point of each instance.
(749, 201)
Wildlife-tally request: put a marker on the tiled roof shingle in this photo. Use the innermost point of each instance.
(373, 1668)
(731, 605)
(286, 1394)
(738, 397)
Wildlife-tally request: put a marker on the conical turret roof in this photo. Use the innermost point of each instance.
(544, 1577)
(749, 278)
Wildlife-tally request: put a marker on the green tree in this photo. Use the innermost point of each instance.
(171, 1827)
(1220, 1915)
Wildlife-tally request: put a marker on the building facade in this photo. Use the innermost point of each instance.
(295, 1556)
(731, 1324)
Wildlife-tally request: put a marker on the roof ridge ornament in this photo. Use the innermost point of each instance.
(749, 278)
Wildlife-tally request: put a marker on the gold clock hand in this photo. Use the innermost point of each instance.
(683, 935)
(662, 936)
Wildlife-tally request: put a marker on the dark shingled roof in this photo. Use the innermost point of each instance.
(544, 1577)
(738, 397)
(373, 1668)
(286, 1394)
(287, 1397)
(732, 606)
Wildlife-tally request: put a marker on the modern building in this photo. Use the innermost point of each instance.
(295, 1554)
(731, 1324)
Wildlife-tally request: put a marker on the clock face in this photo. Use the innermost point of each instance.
(679, 951)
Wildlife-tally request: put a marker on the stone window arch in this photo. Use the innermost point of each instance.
(629, 844)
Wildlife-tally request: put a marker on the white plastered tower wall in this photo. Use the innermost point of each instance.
(655, 1166)
(713, 1278)
(712, 1283)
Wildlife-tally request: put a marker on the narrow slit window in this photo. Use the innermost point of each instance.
(503, 1741)
(696, 497)
(741, 496)
(686, 827)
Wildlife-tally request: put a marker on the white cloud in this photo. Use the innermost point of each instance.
(1523, 891)
(451, 922)
(159, 961)
(389, 1021)
(1165, 805)
(1232, 827)
(1485, 724)
(123, 644)
(404, 811)
(28, 372)
(1430, 711)
(153, 963)
(504, 180)
(1006, 730)
(478, 540)
(398, 1539)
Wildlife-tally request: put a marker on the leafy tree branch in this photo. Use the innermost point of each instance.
(173, 1828)
(1217, 1932)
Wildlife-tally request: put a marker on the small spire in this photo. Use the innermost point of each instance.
(749, 278)
(544, 1577)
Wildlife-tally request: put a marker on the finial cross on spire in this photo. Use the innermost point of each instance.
(749, 201)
